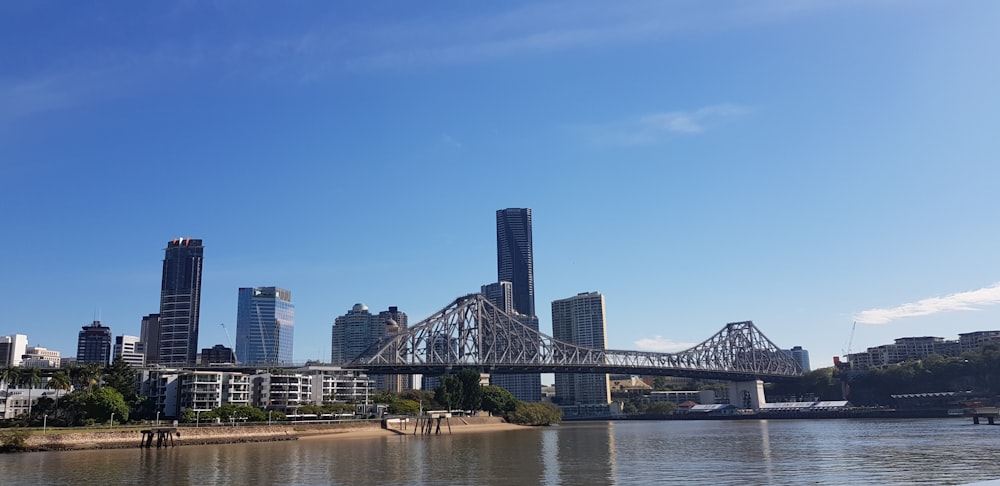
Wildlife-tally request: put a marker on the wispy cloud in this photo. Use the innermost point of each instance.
(661, 344)
(656, 127)
(971, 300)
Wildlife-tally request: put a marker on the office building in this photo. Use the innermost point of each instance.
(580, 320)
(39, 357)
(12, 348)
(801, 356)
(130, 349)
(515, 264)
(94, 345)
(149, 335)
(524, 387)
(180, 303)
(217, 354)
(265, 326)
(355, 331)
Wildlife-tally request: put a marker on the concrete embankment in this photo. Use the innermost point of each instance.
(131, 437)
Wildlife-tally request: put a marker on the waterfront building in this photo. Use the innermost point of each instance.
(161, 387)
(217, 354)
(180, 303)
(336, 384)
(580, 320)
(284, 391)
(94, 344)
(355, 331)
(12, 348)
(201, 391)
(39, 357)
(801, 356)
(972, 341)
(265, 326)
(130, 349)
(19, 401)
(515, 264)
(149, 335)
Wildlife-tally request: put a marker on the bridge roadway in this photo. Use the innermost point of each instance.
(444, 369)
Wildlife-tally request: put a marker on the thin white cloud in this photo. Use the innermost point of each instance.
(655, 127)
(962, 301)
(661, 344)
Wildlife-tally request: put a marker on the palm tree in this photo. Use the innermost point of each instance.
(59, 381)
(10, 375)
(31, 377)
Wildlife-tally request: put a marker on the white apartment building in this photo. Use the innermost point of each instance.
(202, 391)
(281, 391)
(12, 348)
(336, 384)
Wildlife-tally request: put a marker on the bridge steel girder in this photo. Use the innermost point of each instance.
(472, 332)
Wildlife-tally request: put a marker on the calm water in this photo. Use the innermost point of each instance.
(942, 451)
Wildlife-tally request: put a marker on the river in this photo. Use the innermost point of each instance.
(928, 451)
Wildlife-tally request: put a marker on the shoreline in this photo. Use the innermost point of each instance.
(224, 434)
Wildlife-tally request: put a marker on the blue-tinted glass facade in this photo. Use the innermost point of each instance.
(265, 326)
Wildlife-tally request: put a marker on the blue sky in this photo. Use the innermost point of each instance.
(799, 164)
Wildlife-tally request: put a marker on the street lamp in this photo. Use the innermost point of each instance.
(112, 420)
(197, 417)
(268, 417)
(45, 419)
(157, 419)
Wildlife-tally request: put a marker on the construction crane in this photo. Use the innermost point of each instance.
(229, 340)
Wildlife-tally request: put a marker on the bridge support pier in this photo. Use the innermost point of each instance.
(747, 394)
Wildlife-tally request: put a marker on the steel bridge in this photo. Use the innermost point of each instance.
(472, 332)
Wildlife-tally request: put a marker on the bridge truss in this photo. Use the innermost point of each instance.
(472, 332)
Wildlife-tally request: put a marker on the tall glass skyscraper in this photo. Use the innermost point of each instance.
(579, 320)
(515, 264)
(180, 303)
(514, 257)
(265, 326)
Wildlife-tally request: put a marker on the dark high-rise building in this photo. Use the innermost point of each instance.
(150, 337)
(217, 354)
(515, 264)
(94, 345)
(180, 303)
(514, 260)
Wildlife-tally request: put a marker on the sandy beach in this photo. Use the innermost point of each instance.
(126, 438)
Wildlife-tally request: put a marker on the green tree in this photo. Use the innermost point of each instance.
(535, 414)
(383, 397)
(498, 401)
(660, 408)
(105, 401)
(59, 381)
(449, 392)
(122, 377)
(472, 391)
(31, 378)
(404, 407)
(10, 375)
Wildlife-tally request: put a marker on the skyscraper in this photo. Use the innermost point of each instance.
(149, 335)
(515, 264)
(12, 348)
(514, 256)
(94, 344)
(130, 349)
(180, 303)
(265, 326)
(579, 320)
(355, 331)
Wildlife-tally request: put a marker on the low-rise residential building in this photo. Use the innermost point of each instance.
(18, 401)
(201, 391)
(285, 391)
(39, 357)
(912, 348)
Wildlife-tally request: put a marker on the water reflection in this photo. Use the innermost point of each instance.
(690, 452)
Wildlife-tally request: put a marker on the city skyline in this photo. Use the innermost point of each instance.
(800, 165)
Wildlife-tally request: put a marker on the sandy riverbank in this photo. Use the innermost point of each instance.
(256, 433)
